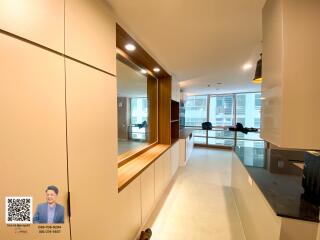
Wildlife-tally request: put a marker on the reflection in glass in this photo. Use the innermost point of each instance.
(137, 96)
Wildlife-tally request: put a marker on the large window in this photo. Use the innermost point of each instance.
(195, 110)
(221, 110)
(248, 107)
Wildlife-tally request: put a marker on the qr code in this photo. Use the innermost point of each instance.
(18, 210)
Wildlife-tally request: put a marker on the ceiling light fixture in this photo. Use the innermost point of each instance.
(156, 69)
(130, 47)
(143, 71)
(258, 75)
(247, 66)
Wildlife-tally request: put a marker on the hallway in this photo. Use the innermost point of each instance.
(200, 205)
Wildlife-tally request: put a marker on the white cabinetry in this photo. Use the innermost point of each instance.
(186, 148)
(290, 89)
(175, 154)
(147, 192)
(129, 213)
(139, 198)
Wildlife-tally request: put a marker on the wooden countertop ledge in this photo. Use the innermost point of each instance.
(129, 171)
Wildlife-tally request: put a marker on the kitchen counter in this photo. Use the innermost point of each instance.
(185, 132)
(278, 175)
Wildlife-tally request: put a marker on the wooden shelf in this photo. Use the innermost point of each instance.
(174, 121)
(129, 171)
(174, 110)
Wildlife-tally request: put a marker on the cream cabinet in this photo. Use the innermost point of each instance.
(40, 21)
(175, 154)
(129, 213)
(147, 192)
(186, 148)
(138, 199)
(33, 130)
(290, 89)
(166, 158)
(92, 150)
(90, 33)
(159, 177)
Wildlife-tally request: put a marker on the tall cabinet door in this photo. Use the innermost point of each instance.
(32, 134)
(40, 21)
(92, 151)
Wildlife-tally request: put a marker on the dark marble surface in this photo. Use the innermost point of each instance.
(278, 174)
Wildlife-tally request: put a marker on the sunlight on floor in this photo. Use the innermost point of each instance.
(200, 205)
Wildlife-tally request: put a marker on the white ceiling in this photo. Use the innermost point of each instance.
(130, 83)
(199, 42)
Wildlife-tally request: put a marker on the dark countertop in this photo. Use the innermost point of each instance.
(278, 174)
(185, 132)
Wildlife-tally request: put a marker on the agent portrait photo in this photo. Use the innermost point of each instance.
(50, 212)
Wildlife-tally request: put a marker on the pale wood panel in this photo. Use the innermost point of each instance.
(90, 34)
(147, 192)
(129, 211)
(92, 147)
(33, 129)
(132, 169)
(40, 21)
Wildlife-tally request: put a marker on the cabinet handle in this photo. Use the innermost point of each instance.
(69, 205)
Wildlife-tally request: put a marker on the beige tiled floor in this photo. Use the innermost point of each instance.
(200, 204)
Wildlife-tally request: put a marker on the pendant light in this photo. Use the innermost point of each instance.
(258, 75)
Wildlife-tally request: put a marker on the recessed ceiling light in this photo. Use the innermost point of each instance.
(130, 47)
(156, 69)
(143, 71)
(247, 66)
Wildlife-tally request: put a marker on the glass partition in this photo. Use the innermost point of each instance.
(137, 108)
